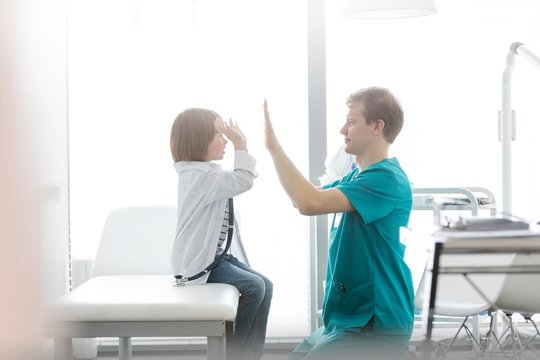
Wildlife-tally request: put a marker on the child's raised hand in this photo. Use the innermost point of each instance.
(233, 132)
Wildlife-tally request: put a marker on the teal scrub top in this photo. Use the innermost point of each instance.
(367, 278)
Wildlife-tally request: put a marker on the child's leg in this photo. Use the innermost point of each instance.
(253, 292)
(257, 334)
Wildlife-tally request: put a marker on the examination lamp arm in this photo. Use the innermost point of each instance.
(520, 49)
(507, 120)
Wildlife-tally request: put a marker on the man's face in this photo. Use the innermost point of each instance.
(356, 132)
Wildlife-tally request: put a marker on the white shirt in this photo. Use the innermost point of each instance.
(203, 192)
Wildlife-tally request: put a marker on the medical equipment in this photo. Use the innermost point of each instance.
(507, 120)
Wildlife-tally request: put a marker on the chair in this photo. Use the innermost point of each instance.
(465, 295)
(130, 293)
(520, 293)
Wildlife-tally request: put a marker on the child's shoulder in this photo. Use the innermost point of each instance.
(197, 166)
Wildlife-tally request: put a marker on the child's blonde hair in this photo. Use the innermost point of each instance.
(192, 132)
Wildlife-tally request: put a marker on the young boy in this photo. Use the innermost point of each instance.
(198, 139)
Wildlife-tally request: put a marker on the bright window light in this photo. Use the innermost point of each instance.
(134, 65)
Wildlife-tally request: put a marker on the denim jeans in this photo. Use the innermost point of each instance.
(256, 290)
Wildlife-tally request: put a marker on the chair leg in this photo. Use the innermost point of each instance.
(528, 318)
(63, 349)
(470, 335)
(216, 348)
(124, 348)
(487, 347)
(514, 337)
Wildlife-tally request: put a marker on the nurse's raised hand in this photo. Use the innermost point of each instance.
(271, 142)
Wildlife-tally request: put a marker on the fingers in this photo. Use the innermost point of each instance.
(266, 113)
(232, 124)
(271, 141)
(268, 123)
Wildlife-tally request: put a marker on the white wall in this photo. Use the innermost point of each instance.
(447, 71)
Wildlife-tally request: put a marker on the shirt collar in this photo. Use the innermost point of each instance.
(195, 165)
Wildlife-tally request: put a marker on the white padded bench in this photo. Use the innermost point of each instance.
(131, 292)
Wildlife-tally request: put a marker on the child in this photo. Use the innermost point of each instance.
(197, 140)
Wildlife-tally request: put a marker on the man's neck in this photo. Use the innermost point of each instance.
(366, 160)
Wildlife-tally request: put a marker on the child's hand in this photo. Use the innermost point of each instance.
(235, 135)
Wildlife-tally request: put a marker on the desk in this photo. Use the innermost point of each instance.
(485, 242)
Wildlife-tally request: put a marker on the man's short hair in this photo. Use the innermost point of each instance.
(380, 103)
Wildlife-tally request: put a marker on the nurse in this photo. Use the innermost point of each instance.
(368, 309)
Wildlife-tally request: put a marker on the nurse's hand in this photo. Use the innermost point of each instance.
(271, 142)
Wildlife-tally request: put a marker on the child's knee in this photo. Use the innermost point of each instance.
(253, 289)
(269, 286)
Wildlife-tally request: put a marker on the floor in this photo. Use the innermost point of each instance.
(188, 355)
(461, 349)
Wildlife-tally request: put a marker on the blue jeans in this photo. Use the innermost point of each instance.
(253, 307)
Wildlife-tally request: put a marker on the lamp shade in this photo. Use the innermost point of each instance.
(387, 9)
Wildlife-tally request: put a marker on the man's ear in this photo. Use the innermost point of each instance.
(379, 126)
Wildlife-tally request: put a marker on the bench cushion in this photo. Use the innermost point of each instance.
(144, 298)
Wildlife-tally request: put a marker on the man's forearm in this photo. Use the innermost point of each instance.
(297, 187)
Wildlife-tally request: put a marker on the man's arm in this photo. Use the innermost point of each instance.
(309, 199)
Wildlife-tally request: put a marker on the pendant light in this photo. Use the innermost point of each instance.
(387, 9)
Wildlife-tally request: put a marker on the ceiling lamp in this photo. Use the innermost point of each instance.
(387, 9)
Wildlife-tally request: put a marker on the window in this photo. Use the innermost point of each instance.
(134, 65)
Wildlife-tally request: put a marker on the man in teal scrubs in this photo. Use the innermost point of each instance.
(368, 309)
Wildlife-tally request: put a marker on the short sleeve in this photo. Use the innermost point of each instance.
(372, 193)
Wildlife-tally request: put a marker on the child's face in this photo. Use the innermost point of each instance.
(216, 148)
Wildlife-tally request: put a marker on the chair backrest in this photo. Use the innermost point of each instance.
(456, 296)
(520, 292)
(136, 241)
(416, 253)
